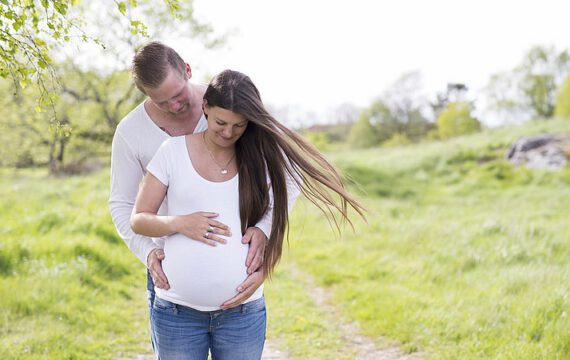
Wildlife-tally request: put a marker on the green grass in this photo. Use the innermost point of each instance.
(463, 256)
(68, 287)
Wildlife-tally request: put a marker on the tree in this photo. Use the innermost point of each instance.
(88, 99)
(362, 134)
(540, 73)
(563, 100)
(503, 97)
(401, 109)
(30, 31)
(456, 120)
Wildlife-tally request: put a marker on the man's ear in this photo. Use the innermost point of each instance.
(188, 71)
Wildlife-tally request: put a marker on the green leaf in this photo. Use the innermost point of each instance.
(5, 2)
(122, 7)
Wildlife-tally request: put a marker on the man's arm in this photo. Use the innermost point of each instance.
(126, 174)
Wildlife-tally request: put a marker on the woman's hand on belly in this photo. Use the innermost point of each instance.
(201, 226)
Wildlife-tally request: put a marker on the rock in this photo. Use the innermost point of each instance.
(544, 151)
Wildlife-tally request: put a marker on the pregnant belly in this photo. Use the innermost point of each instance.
(203, 276)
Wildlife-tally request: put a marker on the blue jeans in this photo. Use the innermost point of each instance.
(150, 299)
(183, 333)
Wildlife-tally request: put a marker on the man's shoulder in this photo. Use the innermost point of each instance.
(134, 119)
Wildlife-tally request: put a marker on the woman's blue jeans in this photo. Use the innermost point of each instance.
(182, 333)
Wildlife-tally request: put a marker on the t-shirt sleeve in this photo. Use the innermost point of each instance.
(160, 164)
(126, 174)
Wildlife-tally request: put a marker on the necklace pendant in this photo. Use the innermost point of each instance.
(224, 171)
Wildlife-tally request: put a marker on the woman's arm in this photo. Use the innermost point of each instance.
(144, 219)
(199, 226)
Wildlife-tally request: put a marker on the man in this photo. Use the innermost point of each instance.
(173, 108)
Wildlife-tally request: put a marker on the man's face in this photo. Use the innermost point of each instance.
(172, 96)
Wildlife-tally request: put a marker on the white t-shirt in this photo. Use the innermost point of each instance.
(200, 276)
(135, 142)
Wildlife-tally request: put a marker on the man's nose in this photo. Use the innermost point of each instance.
(174, 104)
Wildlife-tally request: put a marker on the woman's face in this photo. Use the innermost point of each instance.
(225, 127)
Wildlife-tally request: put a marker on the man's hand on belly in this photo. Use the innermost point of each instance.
(154, 262)
(245, 289)
(257, 240)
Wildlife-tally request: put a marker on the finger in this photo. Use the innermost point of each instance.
(210, 240)
(256, 263)
(245, 289)
(209, 214)
(215, 238)
(158, 282)
(218, 224)
(238, 299)
(247, 236)
(219, 231)
(158, 274)
(161, 285)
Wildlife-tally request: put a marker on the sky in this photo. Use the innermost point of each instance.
(315, 55)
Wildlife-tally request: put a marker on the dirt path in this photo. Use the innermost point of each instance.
(362, 346)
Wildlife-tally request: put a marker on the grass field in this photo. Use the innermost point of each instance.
(463, 257)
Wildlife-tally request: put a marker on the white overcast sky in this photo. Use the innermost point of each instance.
(318, 54)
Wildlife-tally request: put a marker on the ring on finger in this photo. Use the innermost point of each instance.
(210, 228)
(207, 234)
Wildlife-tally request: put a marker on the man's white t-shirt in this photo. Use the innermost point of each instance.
(200, 276)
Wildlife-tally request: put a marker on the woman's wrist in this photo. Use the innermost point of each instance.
(173, 223)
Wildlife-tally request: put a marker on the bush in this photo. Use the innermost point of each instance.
(362, 134)
(397, 140)
(456, 120)
(321, 140)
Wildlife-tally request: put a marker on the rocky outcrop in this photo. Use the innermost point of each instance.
(550, 152)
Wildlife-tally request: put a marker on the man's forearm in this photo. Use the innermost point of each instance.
(139, 245)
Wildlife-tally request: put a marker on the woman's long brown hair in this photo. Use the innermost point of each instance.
(267, 150)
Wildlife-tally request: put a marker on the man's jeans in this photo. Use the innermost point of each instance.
(183, 333)
(150, 298)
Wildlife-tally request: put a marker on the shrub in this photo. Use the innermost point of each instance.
(362, 134)
(397, 140)
(321, 140)
(456, 120)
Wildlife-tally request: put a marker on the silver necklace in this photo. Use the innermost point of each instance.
(223, 169)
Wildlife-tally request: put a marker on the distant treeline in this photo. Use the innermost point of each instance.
(538, 88)
(91, 104)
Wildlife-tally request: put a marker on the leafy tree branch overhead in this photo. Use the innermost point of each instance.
(32, 31)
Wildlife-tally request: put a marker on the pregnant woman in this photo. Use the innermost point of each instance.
(244, 164)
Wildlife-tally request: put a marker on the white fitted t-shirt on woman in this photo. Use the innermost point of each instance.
(200, 276)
